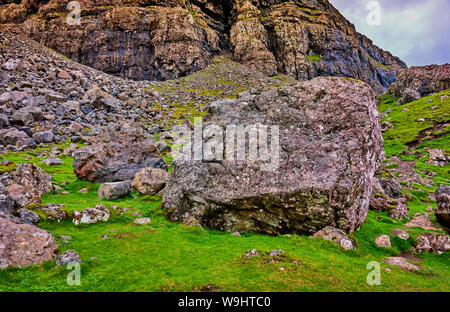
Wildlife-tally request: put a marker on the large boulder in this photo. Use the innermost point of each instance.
(27, 184)
(23, 244)
(443, 205)
(330, 146)
(117, 160)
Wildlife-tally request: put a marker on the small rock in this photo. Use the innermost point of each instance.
(28, 216)
(443, 205)
(237, 234)
(92, 215)
(400, 234)
(53, 161)
(191, 221)
(68, 257)
(402, 263)
(422, 221)
(64, 75)
(142, 221)
(276, 253)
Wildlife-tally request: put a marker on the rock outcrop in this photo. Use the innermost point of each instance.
(168, 39)
(329, 148)
(443, 205)
(23, 244)
(27, 184)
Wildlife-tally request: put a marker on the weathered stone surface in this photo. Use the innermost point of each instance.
(383, 241)
(443, 205)
(28, 216)
(114, 190)
(92, 215)
(168, 39)
(6, 202)
(24, 244)
(142, 221)
(323, 124)
(408, 96)
(150, 181)
(69, 256)
(15, 137)
(52, 212)
(422, 221)
(423, 79)
(400, 211)
(400, 233)
(402, 263)
(156, 42)
(387, 195)
(118, 160)
(27, 184)
(337, 236)
(432, 242)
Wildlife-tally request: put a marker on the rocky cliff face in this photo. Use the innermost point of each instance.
(167, 39)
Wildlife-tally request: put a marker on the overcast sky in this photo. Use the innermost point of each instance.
(418, 31)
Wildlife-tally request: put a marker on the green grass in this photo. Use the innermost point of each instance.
(165, 256)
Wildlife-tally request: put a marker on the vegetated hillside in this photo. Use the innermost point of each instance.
(161, 40)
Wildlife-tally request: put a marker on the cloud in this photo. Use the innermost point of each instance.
(414, 30)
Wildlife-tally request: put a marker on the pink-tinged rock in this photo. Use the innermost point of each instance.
(330, 147)
(443, 205)
(401, 263)
(23, 244)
